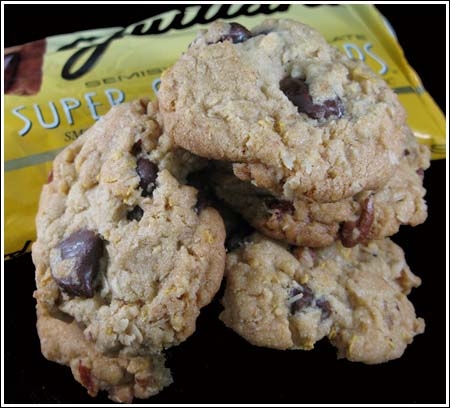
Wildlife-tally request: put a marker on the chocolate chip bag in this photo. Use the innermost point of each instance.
(57, 87)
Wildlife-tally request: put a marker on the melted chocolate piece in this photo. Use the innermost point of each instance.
(324, 307)
(237, 34)
(136, 148)
(297, 92)
(305, 301)
(87, 248)
(147, 172)
(135, 214)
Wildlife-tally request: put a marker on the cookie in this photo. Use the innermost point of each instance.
(122, 247)
(366, 216)
(290, 300)
(291, 113)
(122, 377)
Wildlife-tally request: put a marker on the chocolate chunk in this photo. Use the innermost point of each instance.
(303, 302)
(11, 62)
(324, 307)
(297, 92)
(280, 206)
(135, 214)
(147, 172)
(406, 152)
(237, 34)
(137, 148)
(87, 248)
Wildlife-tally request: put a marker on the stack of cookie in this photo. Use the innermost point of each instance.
(309, 147)
(313, 150)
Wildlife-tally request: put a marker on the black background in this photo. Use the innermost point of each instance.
(215, 365)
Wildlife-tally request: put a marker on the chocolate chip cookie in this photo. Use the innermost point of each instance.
(122, 246)
(290, 299)
(290, 112)
(366, 216)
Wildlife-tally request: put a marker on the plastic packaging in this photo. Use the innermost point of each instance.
(57, 87)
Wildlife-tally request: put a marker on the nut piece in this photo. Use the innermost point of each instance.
(353, 233)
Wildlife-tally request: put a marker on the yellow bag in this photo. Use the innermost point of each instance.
(56, 88)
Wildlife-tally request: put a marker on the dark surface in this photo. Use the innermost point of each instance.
(215, 365)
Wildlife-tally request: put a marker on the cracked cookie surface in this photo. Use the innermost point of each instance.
(122, 247)
(291, 113)
(290, 300)
(306, 223)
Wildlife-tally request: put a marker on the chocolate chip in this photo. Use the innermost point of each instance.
(324, 307)
(304, 301)
(281, 206)
(147, 172)
(135, 214)
(420, 172)
(406, 152)
(137, 148)
(87, 248)
(11, 64)
(237, 34)
(363, 225)
(297, 92)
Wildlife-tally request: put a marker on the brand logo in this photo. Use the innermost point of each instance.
(160, 24)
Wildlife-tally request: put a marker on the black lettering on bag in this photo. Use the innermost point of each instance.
(97, 50)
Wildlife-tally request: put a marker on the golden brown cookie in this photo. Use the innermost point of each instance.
(366, 216)
(290, 300)
(290, 112)
(123, 247)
